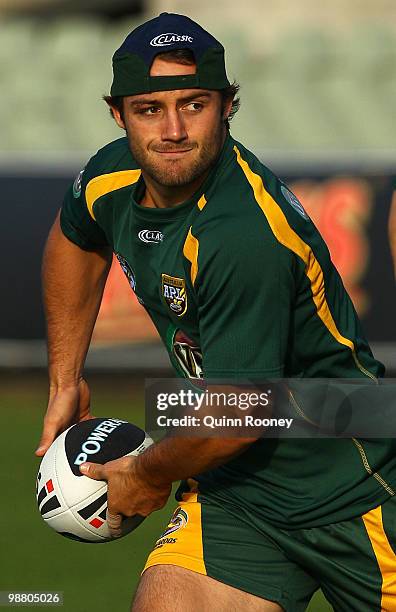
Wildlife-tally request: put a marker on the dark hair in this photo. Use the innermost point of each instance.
(185, 57)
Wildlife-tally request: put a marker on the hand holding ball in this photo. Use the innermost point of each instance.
(73, 504)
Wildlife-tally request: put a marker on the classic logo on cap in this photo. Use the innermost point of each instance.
(170, 38)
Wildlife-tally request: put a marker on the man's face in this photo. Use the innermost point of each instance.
(175, 136)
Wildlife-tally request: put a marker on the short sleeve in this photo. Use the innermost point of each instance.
(76, 222)
(245, 293)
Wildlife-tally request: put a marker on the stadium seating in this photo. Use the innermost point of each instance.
(310, 89)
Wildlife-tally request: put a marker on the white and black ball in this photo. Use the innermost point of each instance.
(71, 503)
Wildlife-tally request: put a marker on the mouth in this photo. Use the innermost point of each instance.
(173, 152)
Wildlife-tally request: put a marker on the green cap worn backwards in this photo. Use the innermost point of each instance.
(168, 32)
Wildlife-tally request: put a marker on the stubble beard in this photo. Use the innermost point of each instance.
(177, 173)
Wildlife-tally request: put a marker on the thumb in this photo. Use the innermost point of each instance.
(94, 470)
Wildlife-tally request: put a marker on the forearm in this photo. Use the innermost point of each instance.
(175, 459)
(73, 284)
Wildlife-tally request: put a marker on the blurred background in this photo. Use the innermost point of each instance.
(318, 86)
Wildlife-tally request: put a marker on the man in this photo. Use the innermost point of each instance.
(241, 285)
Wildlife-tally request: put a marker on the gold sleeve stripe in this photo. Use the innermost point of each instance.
(105, 183)
(201, 202)
(290, 239)
(190, 252)
(384, 554)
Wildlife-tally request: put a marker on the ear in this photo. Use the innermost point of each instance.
(117, 116)
(227, 106)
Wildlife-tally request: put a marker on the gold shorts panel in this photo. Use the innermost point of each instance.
(181, 542)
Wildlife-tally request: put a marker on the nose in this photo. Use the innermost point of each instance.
(173, 126)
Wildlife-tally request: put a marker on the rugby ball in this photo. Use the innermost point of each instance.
(71, 503)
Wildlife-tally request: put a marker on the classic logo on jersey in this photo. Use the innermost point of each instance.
(170, 38)
(151, 236)
(77, 184)
(174, 293)
(291, 198)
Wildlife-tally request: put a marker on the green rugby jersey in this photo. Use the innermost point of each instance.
(240, 284)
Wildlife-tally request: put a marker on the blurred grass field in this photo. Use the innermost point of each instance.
(92, 578)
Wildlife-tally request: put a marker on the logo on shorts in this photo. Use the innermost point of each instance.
(178, 520)
(291, 198)
(174, 293)
(77, 184)
(163, 541)
(151, 236)
(170, 38)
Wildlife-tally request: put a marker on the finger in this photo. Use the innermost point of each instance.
(114, 524)
(49, 434)
(94, 470)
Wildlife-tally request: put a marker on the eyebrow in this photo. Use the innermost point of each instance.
(154, 102)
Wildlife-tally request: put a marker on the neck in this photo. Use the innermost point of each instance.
(162, 196)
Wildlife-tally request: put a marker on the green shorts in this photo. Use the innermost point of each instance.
(353, 562)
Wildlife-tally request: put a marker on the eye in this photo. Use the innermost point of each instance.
(149, 110)
(194, 106)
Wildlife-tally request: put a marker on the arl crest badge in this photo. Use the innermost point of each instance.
(174, 292)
